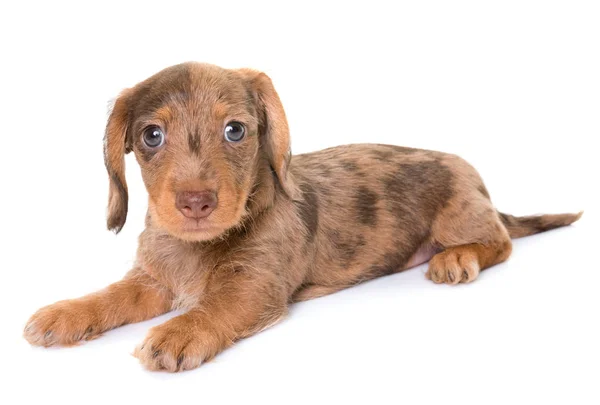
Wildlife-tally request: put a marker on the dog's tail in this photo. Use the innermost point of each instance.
(524, 226)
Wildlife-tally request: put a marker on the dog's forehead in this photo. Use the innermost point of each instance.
(196, 83)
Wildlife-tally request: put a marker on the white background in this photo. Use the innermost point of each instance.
(512, 86)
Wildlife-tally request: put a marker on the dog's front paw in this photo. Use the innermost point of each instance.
(63, 323)
(453, 266)
(177, 345)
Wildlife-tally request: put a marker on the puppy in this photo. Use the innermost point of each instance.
(237, 230)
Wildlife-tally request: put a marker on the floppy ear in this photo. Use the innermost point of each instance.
(116, 145)
(273, 127)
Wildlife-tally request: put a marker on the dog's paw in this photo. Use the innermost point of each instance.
(453, 266)
(177, 345)
(64, 323)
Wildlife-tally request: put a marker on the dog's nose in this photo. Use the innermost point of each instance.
(196, 204)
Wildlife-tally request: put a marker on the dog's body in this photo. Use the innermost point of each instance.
(236, 230)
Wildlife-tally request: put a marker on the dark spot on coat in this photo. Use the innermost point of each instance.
(382, 155)
(137, 297)
(385, 153)
(145, 153)
(237, 269)
(390, 263)
(414, 194)
(483, 191)
(324, 169)
(194, 143)
(251, 100)
(365, 202)
(170, 85)
(345, 246)
(349, 165)
(308, 210)
(402, 149)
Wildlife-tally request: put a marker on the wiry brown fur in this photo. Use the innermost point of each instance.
(284, 229)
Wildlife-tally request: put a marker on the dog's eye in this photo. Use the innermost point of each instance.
(234, 131)
(153, 137)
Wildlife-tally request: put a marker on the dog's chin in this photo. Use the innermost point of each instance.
(199, 231)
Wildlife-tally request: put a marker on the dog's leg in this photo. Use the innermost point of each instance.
(473, 238)
(135, 298)
(229, 311)
(462, 264)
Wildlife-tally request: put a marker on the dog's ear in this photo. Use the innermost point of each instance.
(273, 127)
(116, 145)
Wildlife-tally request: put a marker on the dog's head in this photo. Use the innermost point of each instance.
(209, 141)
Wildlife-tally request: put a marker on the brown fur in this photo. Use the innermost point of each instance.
(284, 230)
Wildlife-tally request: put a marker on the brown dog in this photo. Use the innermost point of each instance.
(236, 230)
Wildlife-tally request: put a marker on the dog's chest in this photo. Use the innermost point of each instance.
(183, 269)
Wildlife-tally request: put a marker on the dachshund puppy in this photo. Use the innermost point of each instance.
(237, 230)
